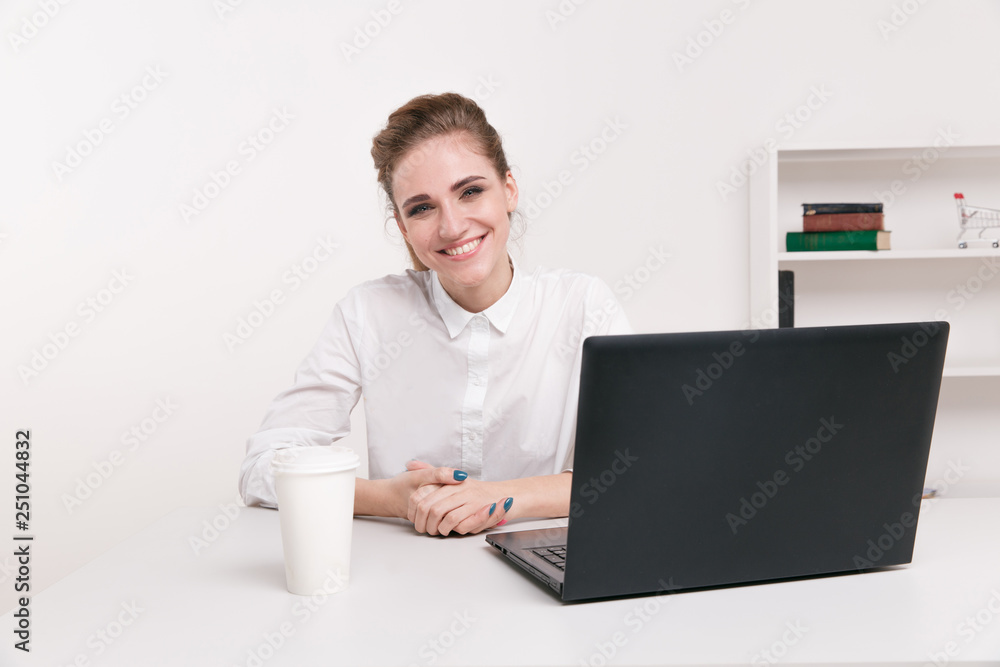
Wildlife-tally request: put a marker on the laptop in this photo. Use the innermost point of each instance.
(722, 458)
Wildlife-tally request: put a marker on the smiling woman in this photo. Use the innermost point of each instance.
(469, 366)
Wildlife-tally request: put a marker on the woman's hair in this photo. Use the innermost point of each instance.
(426, 117)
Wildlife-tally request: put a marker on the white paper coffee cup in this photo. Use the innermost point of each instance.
(315, 490)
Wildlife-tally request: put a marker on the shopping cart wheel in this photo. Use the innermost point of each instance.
(963, 244)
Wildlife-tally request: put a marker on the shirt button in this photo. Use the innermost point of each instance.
(476, 381)
(472, 437)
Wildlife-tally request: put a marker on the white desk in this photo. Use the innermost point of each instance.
(408, 591)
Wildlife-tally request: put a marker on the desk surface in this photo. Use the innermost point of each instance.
(416, 600)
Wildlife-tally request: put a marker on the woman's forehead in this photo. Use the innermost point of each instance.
(438, 158)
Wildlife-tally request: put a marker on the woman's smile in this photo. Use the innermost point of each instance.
(463, 250)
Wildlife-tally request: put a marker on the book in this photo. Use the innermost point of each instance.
(823, 209)
(843, 222)
(786, 299)
(813, 241)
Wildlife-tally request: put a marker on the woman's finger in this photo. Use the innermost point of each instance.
(430, 508)
(488, 517)
(429, 475)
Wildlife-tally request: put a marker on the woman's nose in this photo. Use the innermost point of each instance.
(451, 225)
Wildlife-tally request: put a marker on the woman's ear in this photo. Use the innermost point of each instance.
(510, 185)
(399, 223)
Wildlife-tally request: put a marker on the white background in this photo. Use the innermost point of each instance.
(550, 86)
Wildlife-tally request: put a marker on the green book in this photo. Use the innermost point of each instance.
(857, 240)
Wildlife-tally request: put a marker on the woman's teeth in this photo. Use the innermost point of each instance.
(468, 247)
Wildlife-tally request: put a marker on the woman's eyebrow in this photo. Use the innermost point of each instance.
(465, 181)
(457, 186)
(413, 200)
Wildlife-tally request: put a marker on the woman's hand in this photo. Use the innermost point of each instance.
(441, 501)
(466, 507)
(392, 497)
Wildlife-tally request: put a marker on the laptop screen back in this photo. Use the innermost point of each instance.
(706, 459)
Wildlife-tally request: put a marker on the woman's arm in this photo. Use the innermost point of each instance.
(391, 497)
(313, 412)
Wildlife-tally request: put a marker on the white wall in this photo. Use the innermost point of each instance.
(550, 87)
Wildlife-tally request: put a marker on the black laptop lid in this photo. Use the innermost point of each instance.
(707, 459)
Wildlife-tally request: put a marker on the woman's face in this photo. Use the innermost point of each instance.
(453, 210)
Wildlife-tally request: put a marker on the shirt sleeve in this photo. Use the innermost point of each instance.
(314, 411)
(602, 316)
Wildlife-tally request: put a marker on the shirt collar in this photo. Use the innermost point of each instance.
(499, 314)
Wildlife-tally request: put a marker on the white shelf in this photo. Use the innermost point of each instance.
(929, 279)
(839, 153)
(972, 371)
(884, 255)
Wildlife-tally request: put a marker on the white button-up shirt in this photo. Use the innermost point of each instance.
(493, 393)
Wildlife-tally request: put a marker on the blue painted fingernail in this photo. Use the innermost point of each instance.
(460, 475)
(507, 504)
(492, 508)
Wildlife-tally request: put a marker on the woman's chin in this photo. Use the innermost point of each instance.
(464, 279)
(469, 272)
(474, 276)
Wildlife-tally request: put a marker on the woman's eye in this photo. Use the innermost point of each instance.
(418, 209)
(471, 192)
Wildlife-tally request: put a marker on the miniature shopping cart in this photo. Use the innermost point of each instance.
(975, 217)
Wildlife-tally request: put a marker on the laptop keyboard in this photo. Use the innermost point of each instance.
(555, 555)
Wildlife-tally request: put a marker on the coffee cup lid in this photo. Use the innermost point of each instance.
(315, 459)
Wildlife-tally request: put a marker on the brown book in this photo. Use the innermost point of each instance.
(843, 222)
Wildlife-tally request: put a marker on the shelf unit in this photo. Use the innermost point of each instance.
(882, 255)
(925, 277)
